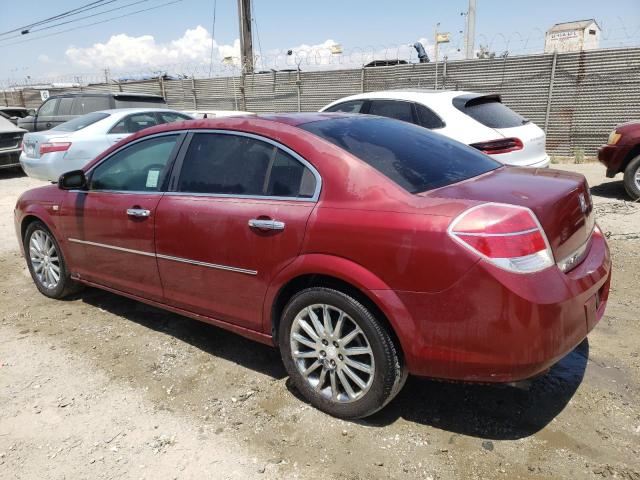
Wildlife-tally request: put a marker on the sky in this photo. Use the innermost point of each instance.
(178, 36)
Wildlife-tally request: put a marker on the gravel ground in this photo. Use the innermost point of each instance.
(99, 386)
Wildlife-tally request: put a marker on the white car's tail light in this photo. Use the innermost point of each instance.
(509, 236)
(502, 145)
(54, 147)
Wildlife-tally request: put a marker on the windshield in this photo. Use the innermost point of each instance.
(81, 122)
(414, 157)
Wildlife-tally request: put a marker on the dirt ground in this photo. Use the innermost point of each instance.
(100, 387)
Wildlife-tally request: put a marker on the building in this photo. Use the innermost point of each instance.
(572, 36)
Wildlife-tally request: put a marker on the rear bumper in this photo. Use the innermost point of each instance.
(613, 157)
(43, 168)
(498, 326)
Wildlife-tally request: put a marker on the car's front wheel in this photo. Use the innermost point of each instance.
(632, 178)
(338, 354)
(46, 262)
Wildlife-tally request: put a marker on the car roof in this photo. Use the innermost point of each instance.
(121, 112)
(106, 94)
(410, 94)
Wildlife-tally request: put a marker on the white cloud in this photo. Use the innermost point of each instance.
(125, 52)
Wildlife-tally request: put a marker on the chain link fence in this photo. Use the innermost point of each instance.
(576, 97)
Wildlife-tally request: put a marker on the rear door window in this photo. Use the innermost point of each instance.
(352, 106)
(139, 102)
(392, 109)
(134, 123)
(169, 117)
(84, 105)
(238, 165)
(413, 157)
(490, 112)
(64, 107)
(428, 118)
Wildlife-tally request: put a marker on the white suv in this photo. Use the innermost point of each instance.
(476, 119)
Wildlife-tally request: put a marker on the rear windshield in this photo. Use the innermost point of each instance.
(136, 102)
(81, 122)
(491, 113)
(414, 157)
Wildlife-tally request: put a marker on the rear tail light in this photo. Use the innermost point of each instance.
(54, 147)
(509, 236)
(495, 147)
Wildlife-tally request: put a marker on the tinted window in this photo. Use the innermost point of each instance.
(238, 165)
(141, 167)
(81, 122)
(427, 118)
(492, 113)
(84, 105)
(353, 106)
(413, 157)
(392, 109)
(168, 117)
(139, 102)
(64, 107)
(135, 123)
(48, 107)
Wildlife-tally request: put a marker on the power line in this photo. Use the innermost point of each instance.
(91, 24)
(80, 18)
(75, 11)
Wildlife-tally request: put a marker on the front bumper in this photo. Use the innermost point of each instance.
(612, 157)
(10, 158)
(498, 326)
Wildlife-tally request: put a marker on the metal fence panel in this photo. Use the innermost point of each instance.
(586, 95)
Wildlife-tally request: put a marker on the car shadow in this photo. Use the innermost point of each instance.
(484, 411)
(207, 338)
(11, 172)
(614, 190)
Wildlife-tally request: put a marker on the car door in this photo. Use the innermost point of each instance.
(46, 115)
(110, 226)
(234, 217)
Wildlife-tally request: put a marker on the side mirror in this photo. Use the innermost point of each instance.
(74, 180)
(31, 112)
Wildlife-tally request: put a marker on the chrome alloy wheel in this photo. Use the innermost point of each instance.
(44, 259)
(332, 353)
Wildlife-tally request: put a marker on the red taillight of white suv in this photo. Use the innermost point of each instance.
(502, 145)
(54, 147)
(509, 236)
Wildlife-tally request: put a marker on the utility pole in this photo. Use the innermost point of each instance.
(246, 42)
(436, 43)
(470, 39)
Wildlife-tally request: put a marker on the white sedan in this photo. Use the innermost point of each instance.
(71, 145)
(476, 119)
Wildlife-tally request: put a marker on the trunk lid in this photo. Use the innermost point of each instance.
(533, 144)
(32, 141)
(560, 200)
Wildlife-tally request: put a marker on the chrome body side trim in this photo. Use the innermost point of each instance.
(166, 257)
(112, 247)
(209, 265)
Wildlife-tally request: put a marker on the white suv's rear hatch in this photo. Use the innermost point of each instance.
(517, 141)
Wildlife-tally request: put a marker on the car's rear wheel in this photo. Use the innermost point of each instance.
(632, 178)
(46, 262)
(338, 354)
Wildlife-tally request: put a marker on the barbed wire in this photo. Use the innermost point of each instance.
(325, 57)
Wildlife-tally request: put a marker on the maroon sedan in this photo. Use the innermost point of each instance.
(363, 247)
(621, 154)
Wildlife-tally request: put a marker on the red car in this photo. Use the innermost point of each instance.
(621, 154)
(365, 248)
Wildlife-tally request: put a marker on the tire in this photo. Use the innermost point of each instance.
(42, 249)
(632, 178)
(360, 339)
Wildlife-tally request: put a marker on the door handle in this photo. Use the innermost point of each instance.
(138, 212)
(266, 224)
